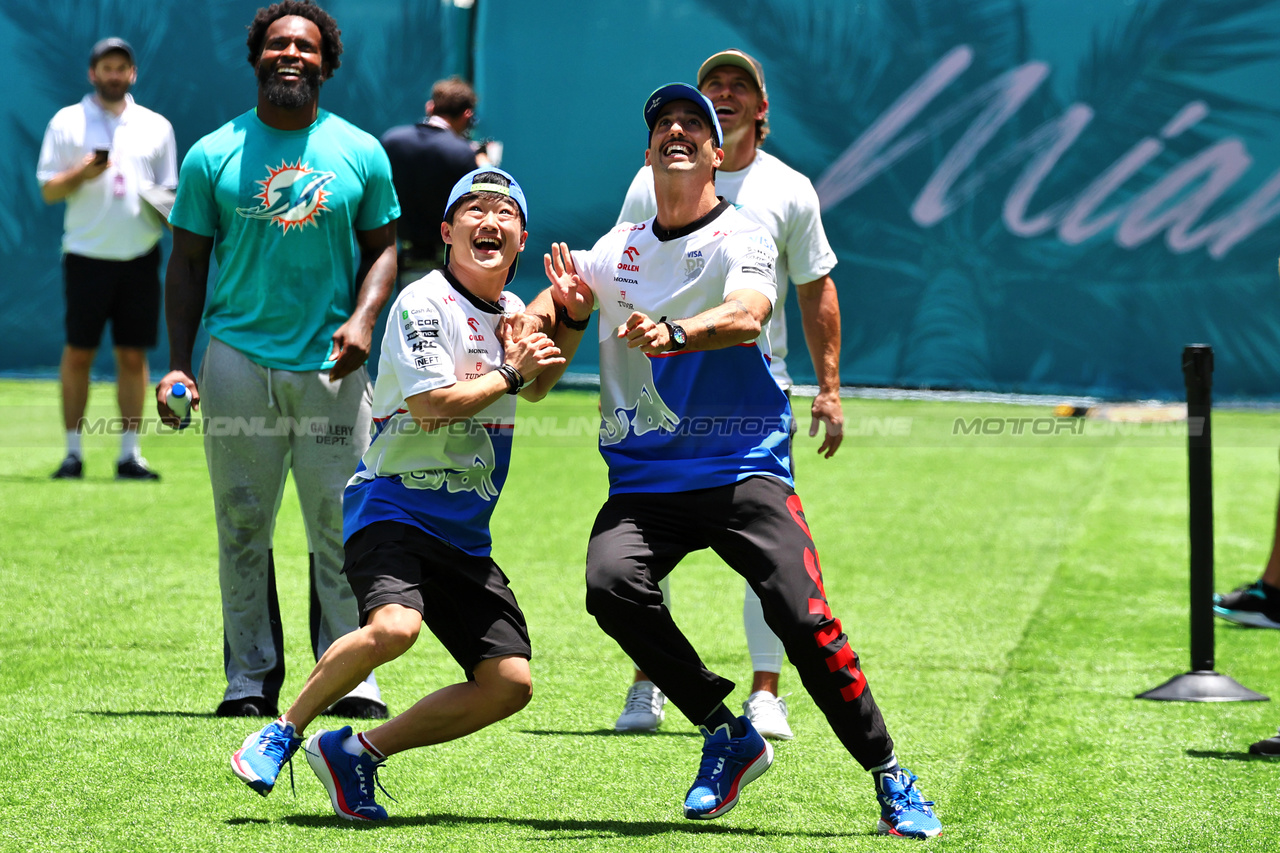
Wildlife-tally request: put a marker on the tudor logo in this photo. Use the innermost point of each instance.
(632, 252)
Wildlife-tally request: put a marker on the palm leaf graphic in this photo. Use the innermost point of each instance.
(1100, 318)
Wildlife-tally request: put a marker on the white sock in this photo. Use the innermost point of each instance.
(357, 744)
(73, 443)
(129, 445)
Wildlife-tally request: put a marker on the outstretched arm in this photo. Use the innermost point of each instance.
(820, 315)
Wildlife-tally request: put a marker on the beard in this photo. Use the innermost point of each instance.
(111, 92)
(290, 95)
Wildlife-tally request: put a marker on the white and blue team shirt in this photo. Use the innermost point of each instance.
(444, 482)
(781, 199)
(687, 420)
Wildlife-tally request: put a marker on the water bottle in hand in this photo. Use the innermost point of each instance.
(179, 402)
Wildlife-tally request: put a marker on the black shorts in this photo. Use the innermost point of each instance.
(465, 601)
(125, 292)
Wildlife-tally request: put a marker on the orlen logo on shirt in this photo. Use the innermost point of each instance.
(631, 253)
(475, 329)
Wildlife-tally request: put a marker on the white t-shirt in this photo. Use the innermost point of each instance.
(444, 482)
(692, 419)
(781, 199)
(106, 217)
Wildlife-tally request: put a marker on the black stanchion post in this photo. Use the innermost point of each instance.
(1202, 683)
(1197, 371)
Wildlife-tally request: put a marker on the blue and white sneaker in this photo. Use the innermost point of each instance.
(349, 779)
(903, 811)
(728, 763)
(258, 761)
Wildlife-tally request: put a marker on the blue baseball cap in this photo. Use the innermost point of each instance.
(681, 92)
(471, 182)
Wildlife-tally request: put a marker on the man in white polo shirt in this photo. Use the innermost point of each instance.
(100, 156)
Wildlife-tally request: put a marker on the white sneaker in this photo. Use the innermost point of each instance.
(643, 710)
(768, 714)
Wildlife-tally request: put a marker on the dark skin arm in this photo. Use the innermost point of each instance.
(186, 281)
(353, 340)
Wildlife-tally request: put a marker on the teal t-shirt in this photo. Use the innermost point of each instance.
(282, 208)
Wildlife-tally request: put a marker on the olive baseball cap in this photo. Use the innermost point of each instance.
(738, 58)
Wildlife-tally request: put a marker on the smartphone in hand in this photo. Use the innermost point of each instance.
(100, 156)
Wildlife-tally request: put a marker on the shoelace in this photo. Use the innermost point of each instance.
(712, 753)
(910, 798)
(640, 699)
(378, 782)
(780, 701)
(276, 746)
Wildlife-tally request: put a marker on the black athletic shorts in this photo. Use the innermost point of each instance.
(125, 292)
(465, 601)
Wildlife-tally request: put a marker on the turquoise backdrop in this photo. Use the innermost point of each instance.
(1044, 196)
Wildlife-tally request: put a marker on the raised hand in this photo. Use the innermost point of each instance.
(568, 289)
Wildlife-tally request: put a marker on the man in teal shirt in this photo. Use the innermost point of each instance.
(283, 196)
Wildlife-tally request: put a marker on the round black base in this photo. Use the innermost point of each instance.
(1202, 686)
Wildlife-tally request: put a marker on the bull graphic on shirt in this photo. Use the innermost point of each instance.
(291, 196)
(475, 458)
(646, 414)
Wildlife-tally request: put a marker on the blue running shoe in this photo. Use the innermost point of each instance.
(903, 811)
(258, 761)
(349, 779)
(728, 763)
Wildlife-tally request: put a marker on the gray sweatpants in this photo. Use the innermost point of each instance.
(259, 424)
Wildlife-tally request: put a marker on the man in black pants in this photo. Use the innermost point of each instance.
(695, 433)
(100, 156)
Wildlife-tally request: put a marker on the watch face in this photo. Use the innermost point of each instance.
(678, 335)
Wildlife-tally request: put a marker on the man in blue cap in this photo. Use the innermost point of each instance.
(695, 432)
(416, 514)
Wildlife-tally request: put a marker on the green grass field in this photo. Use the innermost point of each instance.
(1009, 594)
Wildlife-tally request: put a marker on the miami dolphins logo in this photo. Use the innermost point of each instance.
(291, 196)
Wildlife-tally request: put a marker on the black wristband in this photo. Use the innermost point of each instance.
(562, 316)
(514, 380)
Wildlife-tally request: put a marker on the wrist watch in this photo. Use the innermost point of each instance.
(679, 340)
